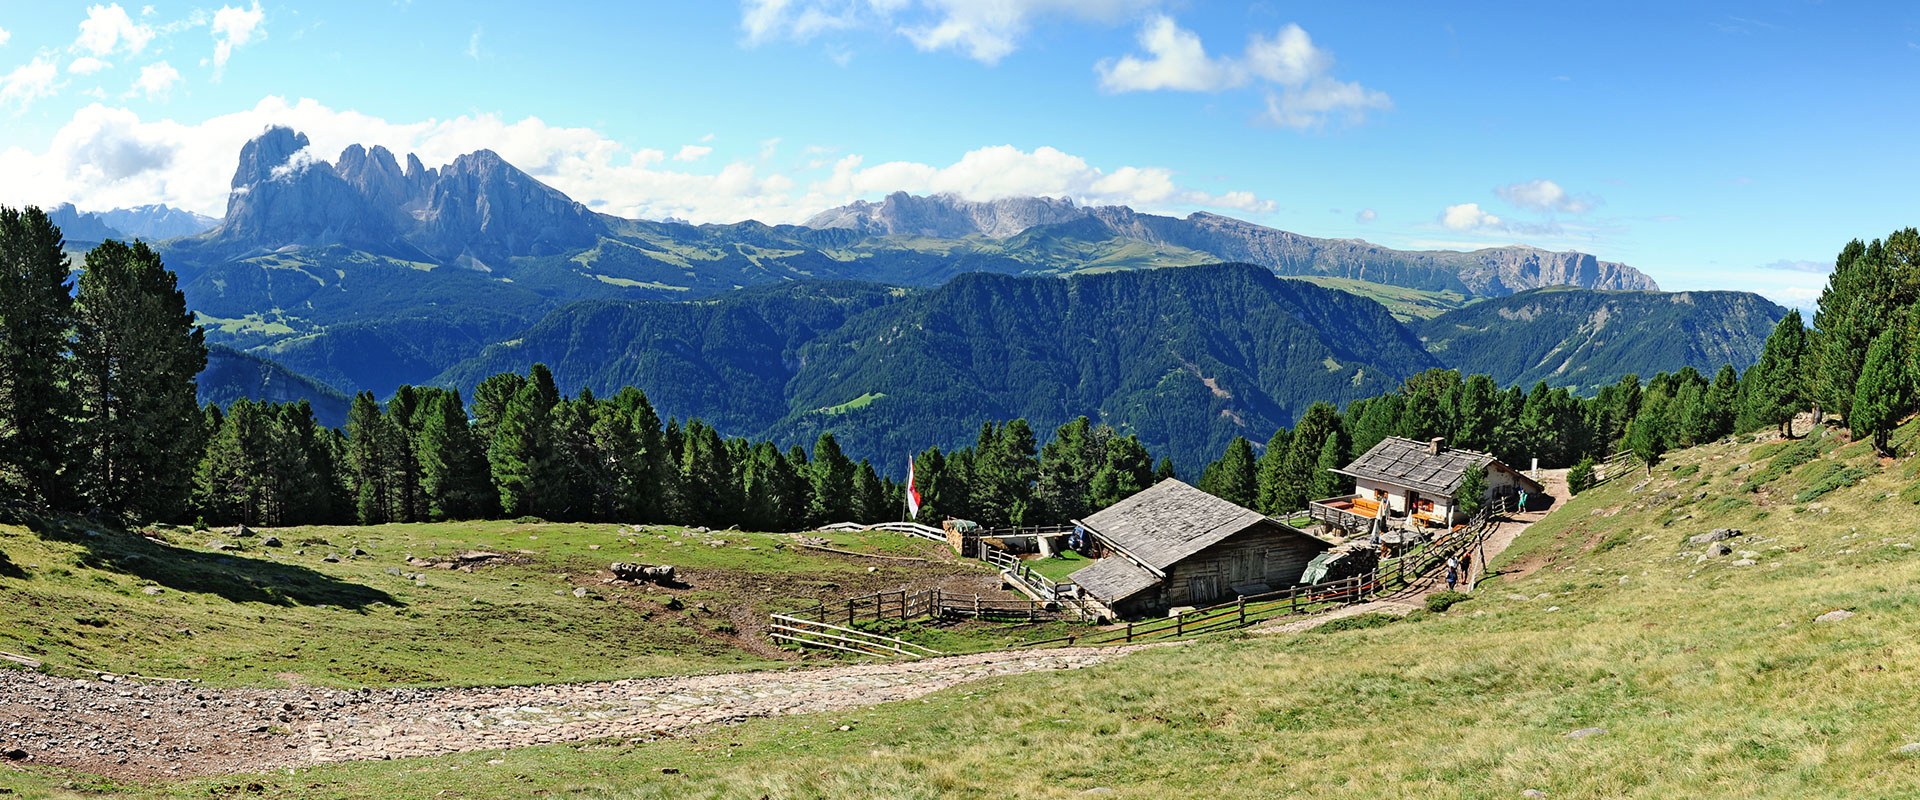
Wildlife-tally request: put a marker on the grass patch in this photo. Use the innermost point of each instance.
(1439, 602)
(1357, 622)
(1058, 567)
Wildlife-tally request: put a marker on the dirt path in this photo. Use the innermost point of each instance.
(1504, 536)
(127, 729)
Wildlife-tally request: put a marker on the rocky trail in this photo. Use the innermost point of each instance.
(129, 729)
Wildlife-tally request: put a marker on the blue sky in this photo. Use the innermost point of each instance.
(1712, 145)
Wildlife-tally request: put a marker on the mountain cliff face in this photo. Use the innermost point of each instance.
(1489, 272)
(80, 227)
(1587, 339)
(477, 209)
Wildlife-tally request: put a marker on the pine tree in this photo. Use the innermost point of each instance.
(1297, 478)
(1163, 471)
(1882, 395)
(1776, 386)
(1472, 494)
(869, 498)
(36, 389)
(831, 477)
(1647, 434)
(1268, 475)
(706, 474)
(1235, 478)
(1580, 478)
(453, 476)
(1326, 482)
(137, 353)
(520, 449)
(1128, 470)
(1722, 402)
(370, 439)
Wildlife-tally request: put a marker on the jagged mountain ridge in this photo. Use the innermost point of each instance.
(1487, 272)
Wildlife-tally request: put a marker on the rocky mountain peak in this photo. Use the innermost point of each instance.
(948, 215)
(260, 156)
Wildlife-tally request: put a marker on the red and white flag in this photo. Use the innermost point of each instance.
(913, 493)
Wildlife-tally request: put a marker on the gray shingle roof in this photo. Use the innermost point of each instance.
(1113, 579)
(1170, 521)
(1405, 462)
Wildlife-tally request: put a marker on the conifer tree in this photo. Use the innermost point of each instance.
(1128, 470)
(1163, 471)
(453, 476)
(830, 476)
(137, 353)
(1236, 476)
(1269, 472)
(36, 388)
(1472, 494)
(371, 444)
(870, 498)
(1882, 394)
(1776, 386)
(518, 455)
(1326, 482)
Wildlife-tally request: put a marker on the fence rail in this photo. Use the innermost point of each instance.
(1389, 575)
(814, 633)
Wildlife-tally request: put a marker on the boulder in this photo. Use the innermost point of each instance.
(1835, 615)
(331, 558)
(1585, 732)
(357, 552)
(580, 592)
(1715, 535)
(242, 532)
(271, 541)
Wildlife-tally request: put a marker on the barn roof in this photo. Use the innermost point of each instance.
(1170, 521)
(1405, 462)
(1113, 579)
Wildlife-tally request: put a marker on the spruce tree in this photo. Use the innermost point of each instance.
(1327, 483)
(1163, 471)
(831, 477)
(519, 452)
(869, 497)
(1236, 476)
(137, 353)
(36, 390)
(1268, 473)
(1882, 394)
(1472, 494)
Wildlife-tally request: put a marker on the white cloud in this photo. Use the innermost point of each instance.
(156, 80)
(87, 65)
(108, 29)
(5, 36)
(1300, 92)
(1467, 217)
(768, 147)
(984, 30)
(28, 82)
(1179, 62)
(1366, 215)
(473, 43)
(108, 157)
(1545, 196)
(234, 27)
(692, 152)
(1790, 265)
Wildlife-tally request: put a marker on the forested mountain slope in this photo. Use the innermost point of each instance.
(317, 259)
(231, 375)
(1585, 339)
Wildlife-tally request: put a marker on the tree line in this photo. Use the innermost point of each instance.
(98, 415)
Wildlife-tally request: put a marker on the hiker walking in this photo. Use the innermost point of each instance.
(1453, 576)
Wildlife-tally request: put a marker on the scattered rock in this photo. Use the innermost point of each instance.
(1585, 732)
(271, 541)
(357, 552)
(1551, 609)
(332, 558)
(1909, 749)
(669, 770)
(216, 544)
(1745, 562)
(153, 590)
(580, 592)
(15, 754)
(1835, 615)
(1533, 793)
(242, 532)
(1715, 535)
(673, 603)
(1519, 597)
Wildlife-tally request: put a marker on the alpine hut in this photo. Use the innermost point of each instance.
(1413, 482)
(1174, 545)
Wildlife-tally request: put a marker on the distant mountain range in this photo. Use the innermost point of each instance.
(897, 323)
(151, 223)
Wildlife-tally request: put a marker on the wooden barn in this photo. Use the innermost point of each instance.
(1417, 483)
(1174, 545)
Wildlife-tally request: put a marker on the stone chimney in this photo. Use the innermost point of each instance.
(1434, 447)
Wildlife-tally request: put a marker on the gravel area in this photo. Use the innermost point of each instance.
(131, 729)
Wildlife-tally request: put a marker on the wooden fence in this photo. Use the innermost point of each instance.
(814, 633)
(908, 528)
(1615, 466)
(1389, 575)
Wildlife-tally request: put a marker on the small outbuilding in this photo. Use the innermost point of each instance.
(1174, 545)
(1415, 482)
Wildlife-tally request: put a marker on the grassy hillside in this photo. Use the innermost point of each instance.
(1405, 304)
(1585, 339)
(261, 615)
(1710, 679)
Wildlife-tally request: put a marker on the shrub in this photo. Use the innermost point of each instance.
(1832, 477)
(1441, 601)
(1580, 478)
(1793, 455)
(528, 520)
(1686, 471)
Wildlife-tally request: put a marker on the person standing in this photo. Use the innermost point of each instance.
(1453, 575)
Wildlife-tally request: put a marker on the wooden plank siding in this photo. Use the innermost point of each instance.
(1264, 553)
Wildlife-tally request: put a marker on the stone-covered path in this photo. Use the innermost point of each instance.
(132, 729)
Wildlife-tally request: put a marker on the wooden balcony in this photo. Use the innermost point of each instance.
(1351, 513)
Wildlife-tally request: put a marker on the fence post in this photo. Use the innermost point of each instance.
(1179, 625)
(849, 611)
(1296, 602)
(1129, 631)
(1243, 611)
(976, 605)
